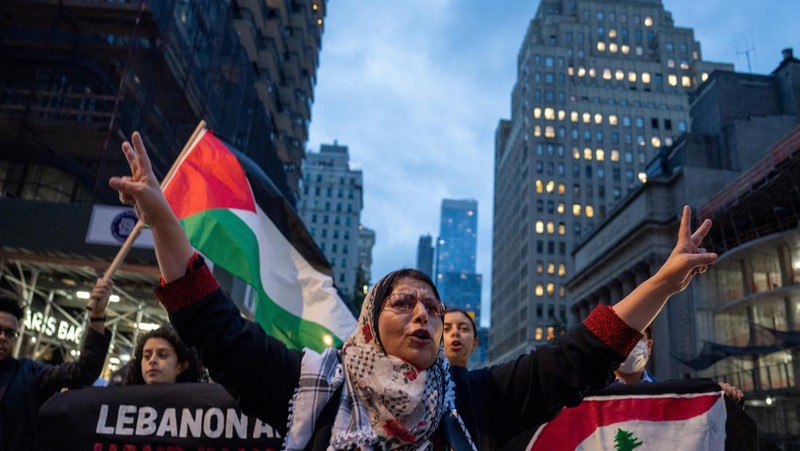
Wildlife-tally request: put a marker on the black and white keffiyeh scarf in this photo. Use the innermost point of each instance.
(386, 402)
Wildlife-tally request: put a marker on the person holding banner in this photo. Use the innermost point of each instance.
(161, 357)
(391, 386)
(25, 384)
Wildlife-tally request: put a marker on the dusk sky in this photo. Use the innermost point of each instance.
(415, 89)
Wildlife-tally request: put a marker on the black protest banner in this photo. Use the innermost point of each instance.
(173, 417)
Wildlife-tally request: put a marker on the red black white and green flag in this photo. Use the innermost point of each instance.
(234, 215)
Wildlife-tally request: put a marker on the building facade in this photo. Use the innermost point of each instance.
(78, 77)
(331, 209)
(425, 255)
(737, 323)
(601, 87)
(456, 255)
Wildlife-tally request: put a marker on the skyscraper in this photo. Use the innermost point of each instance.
(456, 251)
(425, 255)
(331, 209)
(601, 87)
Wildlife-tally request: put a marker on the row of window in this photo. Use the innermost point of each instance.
(552, 132)
(348, 221)
(335, 234)
(552, 114)
(553, 268)
(328, 192)
(339, 206)
(549, 289)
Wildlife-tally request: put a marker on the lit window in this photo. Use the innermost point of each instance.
(671, 63)
(655, 141)
(562, 228)
(551, 227)
(667, 141)
(561, 188)
(560, 210)
(581, 71)
(549, 114)
(537, 113)
(576, 209)
(589, 211)
(615, 155)
(619, 75)
(539, 332)
(684, 65)
(551, 268)
(598, 118)
(695, 55)
(539, 267)
(570, 71)
(672, 79)
(632, 77)
(539, 226)
(587, 154)
(612, 33)
(562, 269)
(592, 72)
(574, 116)
(639, 51)
(612, 119)
(643, 177)
(587, 118)
(539, 186)
(539, 291)
(551, 289)
(576, 153)
(601, 46)
(626, 49)
(319, 22)
(606, 74)
(551, 333)
(600, 155)
(561, 115)
(645, 77)
(550, 186)
(549, 132)
(704, 77)
(686, 81)
(537, 130)
(648, 21)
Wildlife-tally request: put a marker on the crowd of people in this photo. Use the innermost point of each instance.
(400, 381)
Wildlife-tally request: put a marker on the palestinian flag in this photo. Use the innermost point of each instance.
(668, 416)
(235, 216)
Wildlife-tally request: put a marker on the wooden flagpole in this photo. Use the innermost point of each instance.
(128, 244)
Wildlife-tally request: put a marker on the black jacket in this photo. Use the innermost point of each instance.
(496, 403)
(32, 383)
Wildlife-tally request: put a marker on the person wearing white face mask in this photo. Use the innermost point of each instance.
(633, 370)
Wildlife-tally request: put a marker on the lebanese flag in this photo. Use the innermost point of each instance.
(692, 417)
(234, 215)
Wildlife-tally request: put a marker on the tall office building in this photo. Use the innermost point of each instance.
(79, 76)
(331, 209)
(366, 241)
(425, 255)
(601, 87)
(456, 252)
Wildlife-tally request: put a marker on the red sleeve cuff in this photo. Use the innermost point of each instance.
(604, 323)
(197, 284)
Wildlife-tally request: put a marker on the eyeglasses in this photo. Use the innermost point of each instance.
(404, 303)
(9, 333)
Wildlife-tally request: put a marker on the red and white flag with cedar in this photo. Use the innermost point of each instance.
(668, 416)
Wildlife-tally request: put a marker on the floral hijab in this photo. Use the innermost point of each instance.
(386, 402)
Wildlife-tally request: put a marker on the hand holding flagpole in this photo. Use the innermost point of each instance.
(142, 191)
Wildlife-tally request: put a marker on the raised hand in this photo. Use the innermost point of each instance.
(140, 189)
(687, 258)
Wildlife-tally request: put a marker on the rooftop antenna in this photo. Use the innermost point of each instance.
(749, 46)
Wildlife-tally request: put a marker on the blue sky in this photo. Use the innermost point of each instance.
(415, 89)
